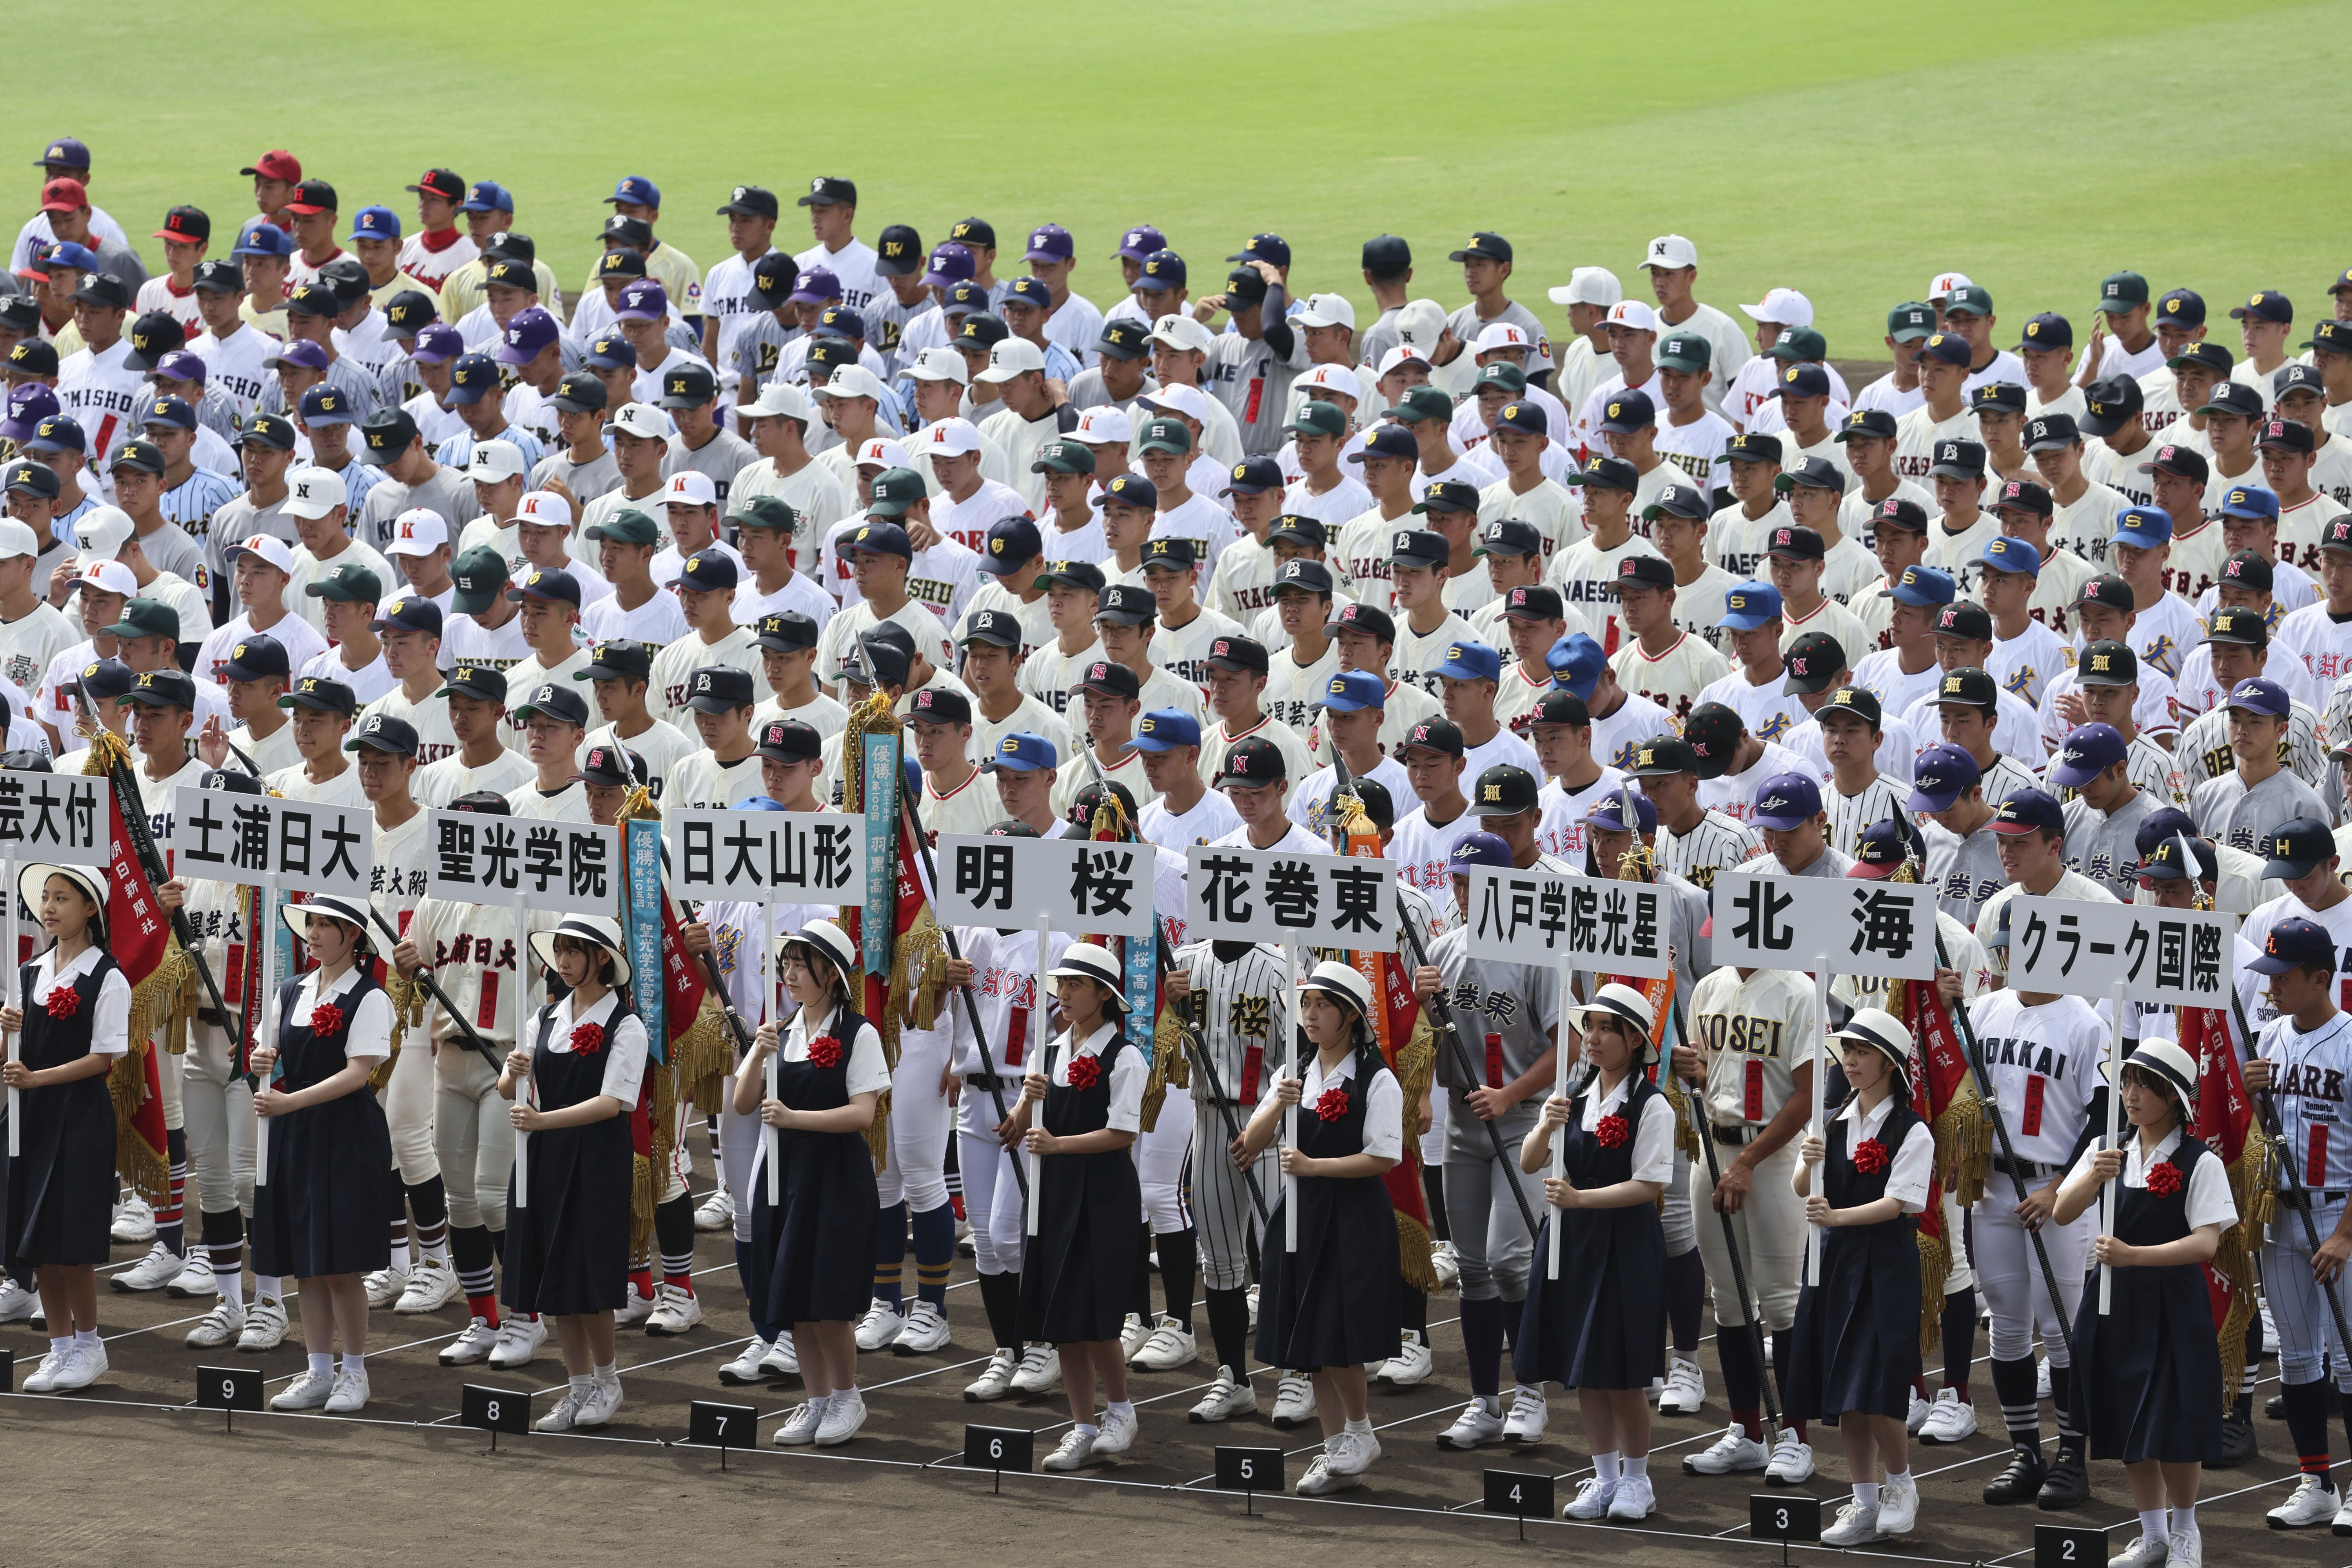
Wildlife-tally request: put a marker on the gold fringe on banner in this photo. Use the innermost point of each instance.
(2253, 1183)
(407, 999)
(1935, 1268)
(1169, 1064)
(704, 1059)
(146, 1168)
(1415, 1263)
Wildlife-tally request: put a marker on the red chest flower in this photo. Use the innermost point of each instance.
(326, 1018)
(1612, 1132)
(63, 1003)
(1085, 1072)
(2163, 1180)
(587, 1040)
(1332, 1103)
(825, 1051)
(1870, 1157)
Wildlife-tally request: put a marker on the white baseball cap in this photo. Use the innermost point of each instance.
(1671, 251)
(1499, 335)
(1327, 310)
(1103, 425)
(419, 531)
(1403, 353)
(269, 546)
(953, 437)
(1589, 286)
(1946, 284)
(1181, 332)
(1011, 357)
(1341, 378)
(1178, 398)
(781, 399)
(1785, 307)
(543, 509)
(881, 452)
(851, 380)
(642, 419)
(17, 538)
(1632, 314)
(688, 487)
(494, 460)
(314, 492)
(102, 532)
(941, 365)
(1420, 324)
(108, 576)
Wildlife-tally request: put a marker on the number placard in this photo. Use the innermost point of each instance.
(1521, 1494)
(1784, 1516)
(494, 1409)
(2063, 1546)
(1771, 922)
(999, 1447)
(1249, 1469)
(718, 1425)
(228, 1388)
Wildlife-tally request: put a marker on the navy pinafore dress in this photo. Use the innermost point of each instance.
(1077, 1271)
(61, 1188)
(817, 1247)
(321, 1210)
(1857, 1332)
(1597, 1325)
(1336, 1301)
(568, 1251)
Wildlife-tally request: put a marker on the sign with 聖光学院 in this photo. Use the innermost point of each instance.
(1541, 917)
(1280, 895)
(294, 845)
(1775, 922)
(1088, 885)
(2162, 957)
(766, 857)
(573, 868)
(60, 818)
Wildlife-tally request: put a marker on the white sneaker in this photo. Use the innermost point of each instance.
(1899, 1507)
(351, 1394)
(845, 1413)
(83, 1365)
(44, 1379)
(560, 1418)
(16, 1303)
(384, 1288)
(1118, 1433)
(604, 1401)
(1855, 1524)
(675, 1309)
(2343, 1525)
(1792, 1461)
(1686, 1389)
(160, 1268)
(2041, 1379)
(432, 1285)
(2141, 1553)
(265, 1325)
(2185, 1550)
(1412, 1364)
(2314, 1501)
(308, 1392)
(745, 1367)
(470, 1346)
(881, 1326)
(800, 1427)
(1480, 1423)
(1592, 1501)
(1447, 1264)
(1166, 1347)
(1132, 1332)
(519, 1339)
(717, 1213)
(1636, 1498)
(134, 1222)
(1294, 1401)
(1074, 1450)
(1226, 1398)
(995, 1379)
(220, 1326)
(783, 1357)
(1040, 1371)
(926, 1330)
(1951, 1419)
(634, 1310)
(1321, 1479)
(1351, 1453)
(1734, 1451)
(196, 1281)
(1915, 1416)
(1530, 1414)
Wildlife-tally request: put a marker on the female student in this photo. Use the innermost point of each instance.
(2149, 1384)
(1077, 1270)
(318, 1217)
(1332, 1306)
(813, 1250)
(1595, 1328)
(61, 1188)
(1857, 1332)
(568, 1246)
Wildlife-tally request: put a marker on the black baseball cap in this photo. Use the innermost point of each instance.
(790, 740)
(2297, 848)
(788, 631)
(1443, 735)
(998, 629)
(1811, 663)
(1713, 732)
(1969, 688)
(476, 681)
(383, 733)
(1238, 653)
(167, 687)
(1663, 756)
(939, 705)
(257, 658)
(1859, 700)
(750, 201)
(1504, 790)
(1126, 605)
(561, 703)
(618, 659)
(2110, 404)
(612, 765)
(1109, 679)
(319, 692)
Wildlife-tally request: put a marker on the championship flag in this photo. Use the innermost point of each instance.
(2225, 1123)
(1410, 1048)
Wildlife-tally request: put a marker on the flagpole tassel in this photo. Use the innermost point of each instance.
(702, 1057)
(1935, 1268)
(146, 1168)
(1416, 1263)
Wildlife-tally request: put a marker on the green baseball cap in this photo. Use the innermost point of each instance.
(1970, 299)
(626, 526)
(145, 618)
(480, 575)
(2121, 291)
(1166, 434)
(1319, 419)
(894, 491)
(1063, 457)
(1685, 352)
(348, 585)
(1800, 345)
(1421, 402)
(766, 512)
(1910, 322)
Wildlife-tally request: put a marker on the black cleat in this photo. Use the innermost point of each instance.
(2068, 1485)
(2275, 1407)
(2021, 1482)
(2237, 1444)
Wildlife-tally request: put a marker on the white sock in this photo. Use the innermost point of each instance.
(579, 1382)
(1361, 1426)
(231, 1287)
(608, 1373)
(269, 1286)
(2184, 1520)
(1866, 1494)
(1492, 1404)
(1637, 1465)
(2154, 1525)
(1605, 1467)
(438, 1252)
(1088, 1429)
(1121, 1408)
(61, 1343)
(1898, 1477)
(86, 1338)
(355, 1364)
(322, 1363)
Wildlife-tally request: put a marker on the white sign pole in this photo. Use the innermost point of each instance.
(1560, 1134)
(1290, 1112)
(522, 1015)
(1041, 1053)
(2113, 1139)
(1820, 1236)
(8, 1043)
(262, 977)
(772, 1139)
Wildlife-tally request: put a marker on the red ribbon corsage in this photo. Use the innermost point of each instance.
(825, 1051)
(63, 1003)
(1612, 1132)
(1871, 1157)
(2163, 1180)
(1085, 1072)
(587, 1040)
(326, 1018)
(1331, 1104)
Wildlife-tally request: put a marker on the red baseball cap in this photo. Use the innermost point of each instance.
(275, 165)
(64, 195)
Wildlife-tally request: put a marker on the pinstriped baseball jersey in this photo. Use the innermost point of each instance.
(2314, 1074)
(2161, 773)
(1880, 800)
(1245, 1014)
(2204, 751)
(1717, 841)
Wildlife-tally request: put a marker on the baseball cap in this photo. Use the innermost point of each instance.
(1386, 441)
(1505, 789)
(2006, 554)
(2029, 811)
(1859, 700)
(2238, 624)
(257, 658)
(1126, 605)
(1173, 554)
(1684, 351)
(1750, 605)
(2051, 330)
(2108, 663)
(1576, 662)
(625, 525)
(2236, 398)
(1958, 460)
(383, 733)
(1811, 662)
(1663, 756)
(1164, 730)
(1609, 811)
(2287, 434)
(167, 687)
(2297, 847)
(2267, 305)
(1107, 679)
(1585, 286)
(2110, 403)
(347, 584)
(1538, 603)
(2143, 527)
(1787, 801)
(2251, 500)
(566, 706)
(480, 575)
(1896, 513)
(618, 658)
(268, 546)
(2292, 943)
(1627, 412)
(1083, 574)
(2106, 589)
(1255, 476)
(1922, 585)
(2090, 750)
(2260, 696)
(1353, 690)
(1965, 619)
(1469, 659)
(1440, 735)
(408, 613)
(326, 696)
(1940, 775)
(1997, 397)
(1131, 491)
(1021, 752)
(1670, 251)
(1713, 732)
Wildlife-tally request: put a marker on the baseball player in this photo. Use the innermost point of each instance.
(1897, 393)
(1962, 860)
(1694, 841)
(1671, 263)
(1587, 571)
(2240, 807)
(1816, 669)
(2029, 829)
(1859, 796)
(1756, 688)
(1904, 668)
(2105, 807)
(2236, 651)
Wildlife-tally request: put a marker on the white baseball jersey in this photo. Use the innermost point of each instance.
(2044, 1063)
(1672, 678)
(1769, 713)
(2025, 663)
(1619, 734)
(1752, 1034)
(1585, 573)
(1423, 852)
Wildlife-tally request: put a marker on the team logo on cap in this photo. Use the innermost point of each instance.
(2100, 662)
(923, 699)
(1613, 407)
(1237, 761)
(1776, 803)
(1949, 453)
(1098, 672)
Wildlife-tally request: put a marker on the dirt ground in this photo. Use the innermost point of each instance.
(129, 1472)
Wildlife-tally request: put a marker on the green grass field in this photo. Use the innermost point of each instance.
(1850, 150)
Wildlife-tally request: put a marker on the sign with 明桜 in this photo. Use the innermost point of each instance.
(2161, 957)
(573, 868)
(1077, 884)
(1238, 894)
(295, 846)
(1769, 921)
(1541, 917)
(766, 857)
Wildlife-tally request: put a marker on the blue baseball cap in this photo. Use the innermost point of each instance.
(637, 189)
(1481, 849)
(323, 404)
(815, 287)
(2007, 554)
(1164, 730)
(2031, 811)
(487, 197)
(1924, 585)
(1021, 752)
(1750, 605)
(1787, 800)
(66, 153)
(2292, 943)
(1470, 661)
(2090, 750)
(2260, 696)
(375, 223)
(1940, 775)
(474, 377)
(1576, 662)
(1162, 270)
(58, 432)
(2142, 526)
(178, 412)
(2250, 500)
(1050, 242)
(1386, 441)
(612, 351)
(1353, 690)
(262, 237)
(1608, 812)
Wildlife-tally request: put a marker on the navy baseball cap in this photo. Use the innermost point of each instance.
(1940, 775)
(1162, 270)
(1011, 543)
(1481, 849)
(2297, 848)
(2031, 811)
(257, 658)
(2051, 331)
(1164, 730)
(1883, 849)
(1608, 812)
(2260, 696)
(2294, 944)
(1253, 476)
(2090, 750)
(1786, 801)
(1386, 441)
(1627, 412)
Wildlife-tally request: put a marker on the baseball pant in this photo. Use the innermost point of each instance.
(1963, 1276)
(2298, 1304)
(1222, 1211)
(1491, 1241)
(681, 1158)
(992, 1193)
(168, 1070)
(1432, 1142)
(474, 1138)
(1675, 1215)
(217, 1108)
(1771, 1227)
(915, 1175)
(1159, 1164)
(2011, 1276)
(738, 1147)
(408, 1109)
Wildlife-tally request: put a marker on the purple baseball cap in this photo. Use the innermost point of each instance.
(27, 406)
(643, 301)
(437, 345)
(1050, 242)
(529, 330)
(951, 264)
(1787, 800)
(1481, 849)
(302, 352)
(1140, 242)
(815, 285)
(181, 365)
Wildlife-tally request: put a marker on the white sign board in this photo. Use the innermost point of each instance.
(766, 857)
(472, 857)
(296, 846)
(1279, 896)
(1074, 884)
(1774, 921)
(2161, 957)
(58, 818)
(1542, 917)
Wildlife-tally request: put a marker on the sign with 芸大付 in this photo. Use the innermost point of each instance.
(295, 846)
(1279, 896)
(2161, 957)
(60, 818)
(1776, 921)
(766, 857)
(1088, 885)
(1541, 917)
(573, 867)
